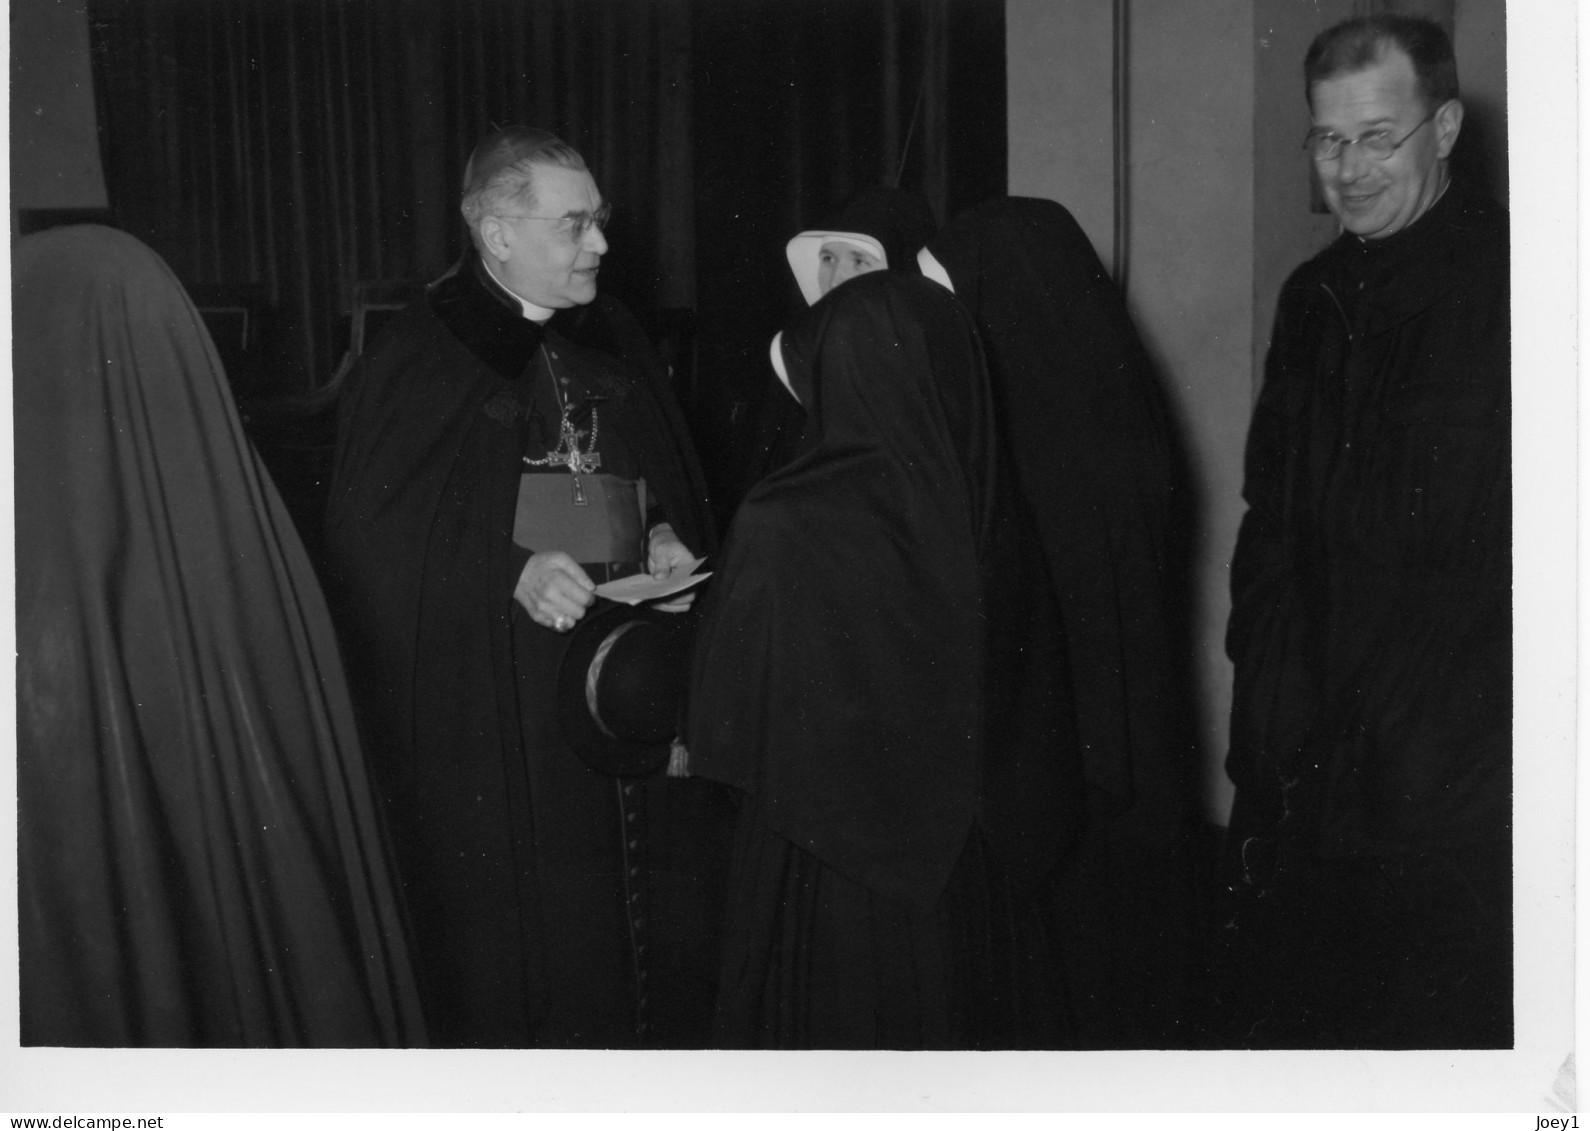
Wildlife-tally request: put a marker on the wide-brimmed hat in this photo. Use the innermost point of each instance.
(621, 686)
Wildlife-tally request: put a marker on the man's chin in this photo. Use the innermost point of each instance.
(1363, 224)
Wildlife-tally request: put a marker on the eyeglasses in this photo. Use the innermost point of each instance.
(575, 224)
(1326, 146)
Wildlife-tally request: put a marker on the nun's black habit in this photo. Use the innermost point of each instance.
(199, 859)
(887, 847)
(1088, 438)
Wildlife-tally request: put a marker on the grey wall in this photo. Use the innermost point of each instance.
(1058, 80)
(1190, 237)
(54, 143)
(1479, 37)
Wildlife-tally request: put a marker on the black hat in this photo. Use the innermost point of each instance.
(621, 685)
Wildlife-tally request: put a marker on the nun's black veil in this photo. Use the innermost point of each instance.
(836, 668)
(859, 675)
(199, 859)
(1088, 436)
(900, 220)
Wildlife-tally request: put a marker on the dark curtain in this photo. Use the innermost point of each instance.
(303, 146)
(299, 147)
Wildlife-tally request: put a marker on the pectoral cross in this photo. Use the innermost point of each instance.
(568, 453)
(579, 463)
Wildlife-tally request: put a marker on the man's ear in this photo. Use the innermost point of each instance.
(494, 238)
(1448, 121)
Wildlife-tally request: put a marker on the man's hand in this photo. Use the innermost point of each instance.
(554, 590)
(665, 553)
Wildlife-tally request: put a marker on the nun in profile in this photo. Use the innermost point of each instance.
(880, 228)
(867, 678)
(199, 862)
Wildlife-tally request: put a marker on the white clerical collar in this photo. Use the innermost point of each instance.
(532, 312)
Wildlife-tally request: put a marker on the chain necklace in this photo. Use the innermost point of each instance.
(568, 451)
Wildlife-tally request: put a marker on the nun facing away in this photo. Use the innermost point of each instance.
(199, 863)
(1089, 441)
(863, 676)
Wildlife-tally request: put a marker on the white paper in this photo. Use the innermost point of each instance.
(644, 587)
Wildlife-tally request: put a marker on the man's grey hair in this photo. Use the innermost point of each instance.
(500, 173)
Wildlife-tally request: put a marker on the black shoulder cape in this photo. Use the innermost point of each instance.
(836, 675)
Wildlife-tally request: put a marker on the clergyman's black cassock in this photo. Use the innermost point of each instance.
(551, 905)
(1367, 896)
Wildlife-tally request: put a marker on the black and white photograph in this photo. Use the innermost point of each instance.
(1083, 617)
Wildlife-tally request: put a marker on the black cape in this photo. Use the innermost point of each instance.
(846, 681)
(1089, 439)
(422, 567)
(200, 861)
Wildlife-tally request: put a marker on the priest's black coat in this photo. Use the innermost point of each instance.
(1371, 633)
(422, 569)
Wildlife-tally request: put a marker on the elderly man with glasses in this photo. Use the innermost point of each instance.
(505, 446)
(1368, 894)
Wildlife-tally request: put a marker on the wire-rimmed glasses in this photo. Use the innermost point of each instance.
(575, 224)
(1324, 145)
